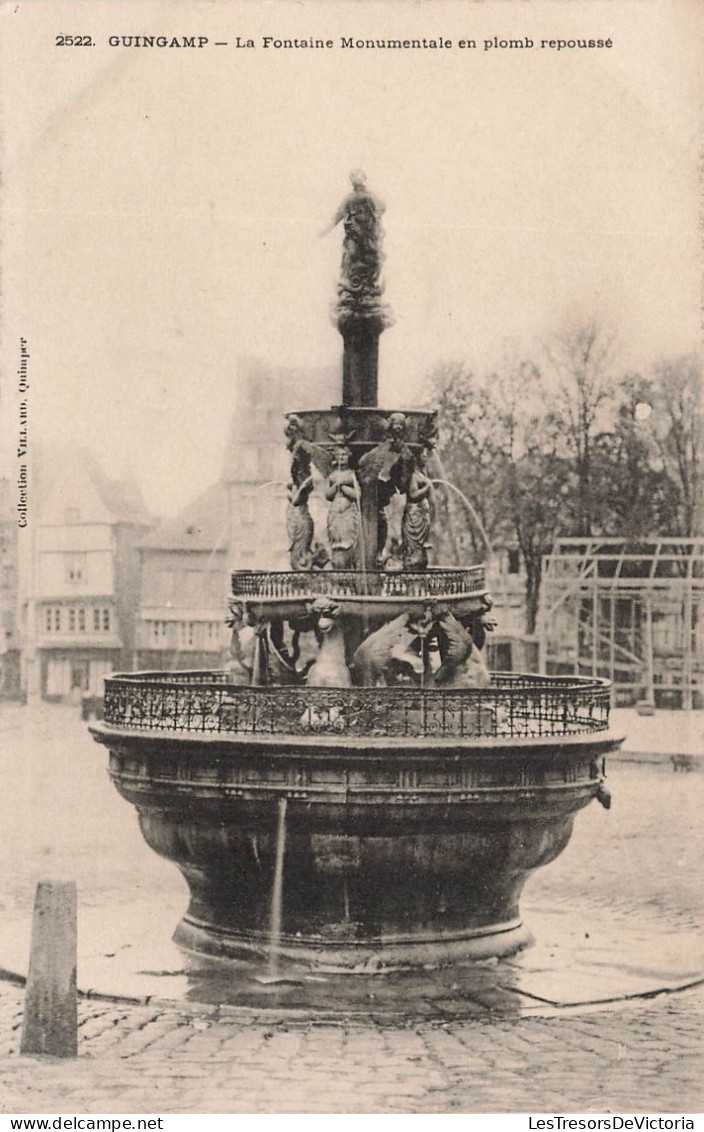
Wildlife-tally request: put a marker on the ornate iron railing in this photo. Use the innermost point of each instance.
(253, 584)
(514, 706)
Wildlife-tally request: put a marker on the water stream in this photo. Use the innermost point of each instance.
(277, 893)
(473, 513)
(270, 483)
(362, 552)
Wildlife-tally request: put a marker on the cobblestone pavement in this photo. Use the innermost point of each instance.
(646, 1057)
(637, 866)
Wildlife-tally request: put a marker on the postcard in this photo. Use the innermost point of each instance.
(353, 556)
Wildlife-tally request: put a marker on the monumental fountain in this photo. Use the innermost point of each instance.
(355, 790)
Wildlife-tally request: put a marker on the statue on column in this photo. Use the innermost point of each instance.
(359, 290)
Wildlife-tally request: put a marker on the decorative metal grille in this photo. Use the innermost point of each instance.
(515, 706)
(357, 583)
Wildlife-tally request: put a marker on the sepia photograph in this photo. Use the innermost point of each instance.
(351, 561)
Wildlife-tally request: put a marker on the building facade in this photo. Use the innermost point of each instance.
(81, 599)
(185, 568)
(239, 523)
(9, 630)
(257, 465)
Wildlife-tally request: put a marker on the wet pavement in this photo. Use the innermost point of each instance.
(617, 917)
(644, 1057)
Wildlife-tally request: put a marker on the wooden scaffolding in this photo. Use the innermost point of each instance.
(629, 611)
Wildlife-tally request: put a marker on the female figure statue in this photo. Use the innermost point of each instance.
(417, 518)
(343, 494)
(299, 523)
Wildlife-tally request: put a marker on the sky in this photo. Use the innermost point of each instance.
(162, 208)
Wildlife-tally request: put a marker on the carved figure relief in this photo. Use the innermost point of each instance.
(391, 552)
(300, 527)
(343, 495)
(294, 431)
(329, 670)
(402, 651)
(417, 518)
(395, 653)
(240, 662)
(389, 465)
(462, 664)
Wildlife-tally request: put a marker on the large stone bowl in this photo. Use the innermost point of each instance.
(411, 818)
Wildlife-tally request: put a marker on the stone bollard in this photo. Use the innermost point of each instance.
(50, 1004)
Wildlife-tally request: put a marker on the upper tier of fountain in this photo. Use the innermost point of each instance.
(362, 428)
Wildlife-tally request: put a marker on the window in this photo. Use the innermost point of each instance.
(514, 561)
(57, 619)
(158, 632)
(79, 675)
(48, 620)
(106, 620)
(96, 620)
(81, 619)
(75, 568)
(72, 619)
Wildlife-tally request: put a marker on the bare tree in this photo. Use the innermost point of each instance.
(537, 475)
(501, 445)
(565, 449)
(677, 426)
(471, 458)
(634, 496)
(578, 365)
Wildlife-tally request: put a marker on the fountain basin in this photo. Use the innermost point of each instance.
(408, 837)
